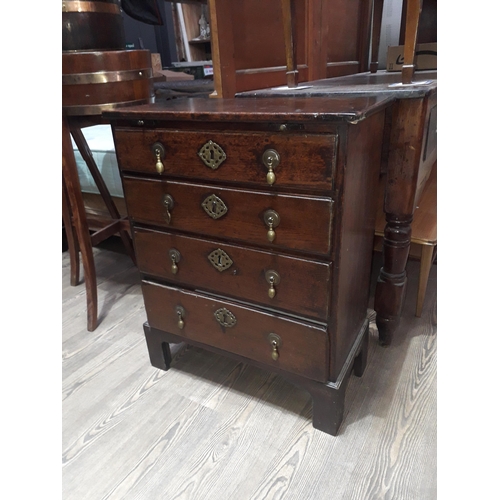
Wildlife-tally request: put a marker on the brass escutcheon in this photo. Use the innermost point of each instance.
(212, 155)
(220, 260)
(225, 317)
(214, 206)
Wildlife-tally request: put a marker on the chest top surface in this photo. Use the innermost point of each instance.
(256, 110)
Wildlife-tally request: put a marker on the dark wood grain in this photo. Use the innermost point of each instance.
(330, 38)
(305, 222)
(305, 161)
(409, 166)
(95, 25)
(357, 201)
(410, 144)
(298, 291)
(304, 346)
(94, 81)
(310, 237)
(279, 110)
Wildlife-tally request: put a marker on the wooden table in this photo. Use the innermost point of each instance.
(410, 149)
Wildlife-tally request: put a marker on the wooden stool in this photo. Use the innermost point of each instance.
(423, 236)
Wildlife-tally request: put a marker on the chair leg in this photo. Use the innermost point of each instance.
(70, 175)
(428, 256)
(74, 251)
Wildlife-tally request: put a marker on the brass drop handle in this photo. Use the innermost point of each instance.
(275, 354)
(273, 278)
(180, 316)
(275, 341)
(175, 257)
(272, 220)
(159, 152)
(271, 160)
(168, 204)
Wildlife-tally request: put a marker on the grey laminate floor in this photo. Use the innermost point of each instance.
(212, 428)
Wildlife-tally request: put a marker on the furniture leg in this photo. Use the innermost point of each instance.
(288, 10)
(378, 7)
(414, 7)
(74, 251)
(72, 182)
(328, 406)
(428, 256)
(158, 348)
(391, 283)
(406, 161)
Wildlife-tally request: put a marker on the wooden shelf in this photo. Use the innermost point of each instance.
(199, 40)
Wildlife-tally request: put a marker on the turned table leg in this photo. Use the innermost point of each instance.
(408, 161)
(391, 283)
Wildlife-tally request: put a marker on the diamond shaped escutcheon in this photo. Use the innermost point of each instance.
(220, 260)
(212, 155)
(214, 206)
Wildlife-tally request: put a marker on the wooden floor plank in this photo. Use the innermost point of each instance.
(213, 428)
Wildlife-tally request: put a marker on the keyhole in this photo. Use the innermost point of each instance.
(220, 260)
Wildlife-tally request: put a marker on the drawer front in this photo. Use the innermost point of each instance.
(296, 285)
(305, 161)
(305, 222)
(301, 349)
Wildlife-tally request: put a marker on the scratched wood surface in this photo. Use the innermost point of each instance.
(212, 428)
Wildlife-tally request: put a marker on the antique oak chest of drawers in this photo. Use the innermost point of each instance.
(253, 223)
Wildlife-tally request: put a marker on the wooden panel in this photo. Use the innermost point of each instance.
(305, 221)
(303, 349)
(358, 199)
(343, 29)
(250, 35)
(298, 291)
(244, 156)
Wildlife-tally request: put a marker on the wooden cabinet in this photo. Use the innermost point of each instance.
(253, 223)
